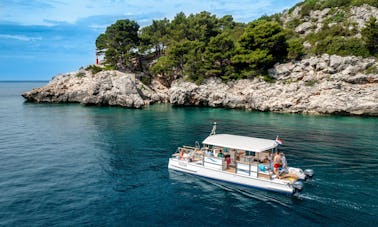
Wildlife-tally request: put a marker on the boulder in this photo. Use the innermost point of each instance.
(304, 28)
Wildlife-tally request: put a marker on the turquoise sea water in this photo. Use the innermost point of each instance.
(70, 165)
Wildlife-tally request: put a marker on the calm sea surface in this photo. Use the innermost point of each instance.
(69, 165)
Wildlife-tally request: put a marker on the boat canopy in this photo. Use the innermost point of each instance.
(240, 142)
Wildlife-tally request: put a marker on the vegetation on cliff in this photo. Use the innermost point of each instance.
(202, 45)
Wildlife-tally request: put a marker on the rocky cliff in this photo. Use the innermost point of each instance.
(112, 88)
(325, 85)
(349, 17)
(317, 85)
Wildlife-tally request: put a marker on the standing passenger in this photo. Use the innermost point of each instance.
(277, 163)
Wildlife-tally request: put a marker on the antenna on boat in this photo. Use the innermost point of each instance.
(214, 129)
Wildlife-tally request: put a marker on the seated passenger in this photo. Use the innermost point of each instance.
(209, 153)
(186, 156)
(181, 154)
(265, 159)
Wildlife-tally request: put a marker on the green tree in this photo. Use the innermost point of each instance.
(342, 46)
(165, 67)
(178, 28)
(194, 67)
(154, 37)
(370, 35)
(260, 47)
(202, 27)
(101, 43)
(295, 49)
(119, 42)
(217, 56)
(227, 23)
(179, 53)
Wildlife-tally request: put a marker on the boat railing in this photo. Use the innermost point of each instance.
(253, 168)
(188, 153)
(245, 165)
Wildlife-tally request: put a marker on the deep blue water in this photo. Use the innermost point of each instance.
(70, 165)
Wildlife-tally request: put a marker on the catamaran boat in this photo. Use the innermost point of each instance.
(239, 160)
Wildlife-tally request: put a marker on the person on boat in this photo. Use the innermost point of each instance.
(186, 156)
(277, 163)
(181, 154)
(228, 161)
(264, 160)
(209, 153)
(284, 162)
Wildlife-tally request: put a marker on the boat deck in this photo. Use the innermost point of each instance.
(230, 170)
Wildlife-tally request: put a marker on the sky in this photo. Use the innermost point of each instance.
(43, 38)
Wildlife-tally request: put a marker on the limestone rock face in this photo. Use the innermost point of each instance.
(304, 28)
(316, 85)
(325, 85)
(356, 17)
(111, 88)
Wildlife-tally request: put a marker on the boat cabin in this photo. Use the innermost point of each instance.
(235, 154)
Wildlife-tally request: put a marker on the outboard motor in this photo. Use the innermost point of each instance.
(298, 186)
(309, 173)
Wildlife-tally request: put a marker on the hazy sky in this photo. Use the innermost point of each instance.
(42, 38)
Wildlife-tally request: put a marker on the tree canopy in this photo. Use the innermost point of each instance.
(119, 43)
(202, 45)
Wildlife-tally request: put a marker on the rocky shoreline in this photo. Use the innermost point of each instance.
(317, 85)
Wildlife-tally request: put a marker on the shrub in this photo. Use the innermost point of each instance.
(372, 70)
(361, 2)
(267, 78)
(295, 49)
(334, 3)
(80, 74)
(308, 6)
(339, 17)
(328, 32)
(342, 46)
(311, 83)
(94, 69)
(292, 24)
(370, 36)
(197, 80)
(146, 80)
(109, 67)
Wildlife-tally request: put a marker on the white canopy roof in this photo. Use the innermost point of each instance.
(240, 142)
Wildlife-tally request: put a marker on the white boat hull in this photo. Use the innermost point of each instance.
(198, 169)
